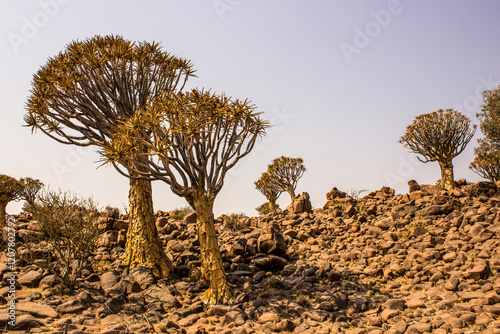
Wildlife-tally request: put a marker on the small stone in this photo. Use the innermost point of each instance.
(415, 303)
(30, 279)
(400, 326)
(388, 314)
(269, 316)
(37, 309)
(483, 319)
(71, 306)
(394, 304)
(452, 283)
(455, 322)
(326, 306)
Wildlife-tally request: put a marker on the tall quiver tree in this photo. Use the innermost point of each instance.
(286, 172)
(31, 187)
(81, 96)
(487, 160)
(10, 190)
(196, 138)
(439, 136)
(267, 187)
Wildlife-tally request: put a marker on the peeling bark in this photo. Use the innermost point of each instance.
(143, 247)
(447, 181)
(212, 269)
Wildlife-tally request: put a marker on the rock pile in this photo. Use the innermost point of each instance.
(423, 262)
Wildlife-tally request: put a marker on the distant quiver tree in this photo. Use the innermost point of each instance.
(439, 136)
(285, 172)
(267, 187)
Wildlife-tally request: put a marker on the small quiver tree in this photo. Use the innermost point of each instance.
(31, 187)
(267, 187)
(195, 139)
(439, 136)
(285, 172)
(487, 161)
(10, 190)
(81, 96)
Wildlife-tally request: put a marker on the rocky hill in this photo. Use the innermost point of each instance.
(423, 262)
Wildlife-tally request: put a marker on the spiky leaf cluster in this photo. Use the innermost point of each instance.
(193, 139)
(438, 136)
(268, 187)
(82, 94)
(10, 189)
(286, 172)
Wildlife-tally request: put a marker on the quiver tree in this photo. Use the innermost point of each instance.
(487, 160)
(10, 190)
(439, 136)
(195, 139)
(80, 97)
(31, 187)
(489, 116)
(286, 172)
(266, 185)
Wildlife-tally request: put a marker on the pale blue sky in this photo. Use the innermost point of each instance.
(342, 112)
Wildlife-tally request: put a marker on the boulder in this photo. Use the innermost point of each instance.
(272, 242)
(300, 204)
(413, 186)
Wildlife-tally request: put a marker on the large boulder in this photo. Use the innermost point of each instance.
(334, 194)
(413, 186)
(272, 242)
(300, 204)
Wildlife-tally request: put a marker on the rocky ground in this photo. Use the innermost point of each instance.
(423, 262)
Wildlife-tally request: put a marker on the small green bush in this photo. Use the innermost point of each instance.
(235, 221)
(180, 213)
(264, 208)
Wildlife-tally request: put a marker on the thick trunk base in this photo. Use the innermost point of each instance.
(143, 247)
(212, 269)
(447, 178)
(3, 214)
(272, 204)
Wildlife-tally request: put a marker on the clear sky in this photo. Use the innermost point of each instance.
(340, 80)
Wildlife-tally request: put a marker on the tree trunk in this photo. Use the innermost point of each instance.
(291, 191)
(212, 270)
(272, 204)
(3, 214)
(143, 247)
(447, 181)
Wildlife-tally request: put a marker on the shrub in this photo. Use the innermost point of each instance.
(235, 221)
(264, 208)
(180, 213)
(70, 231)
